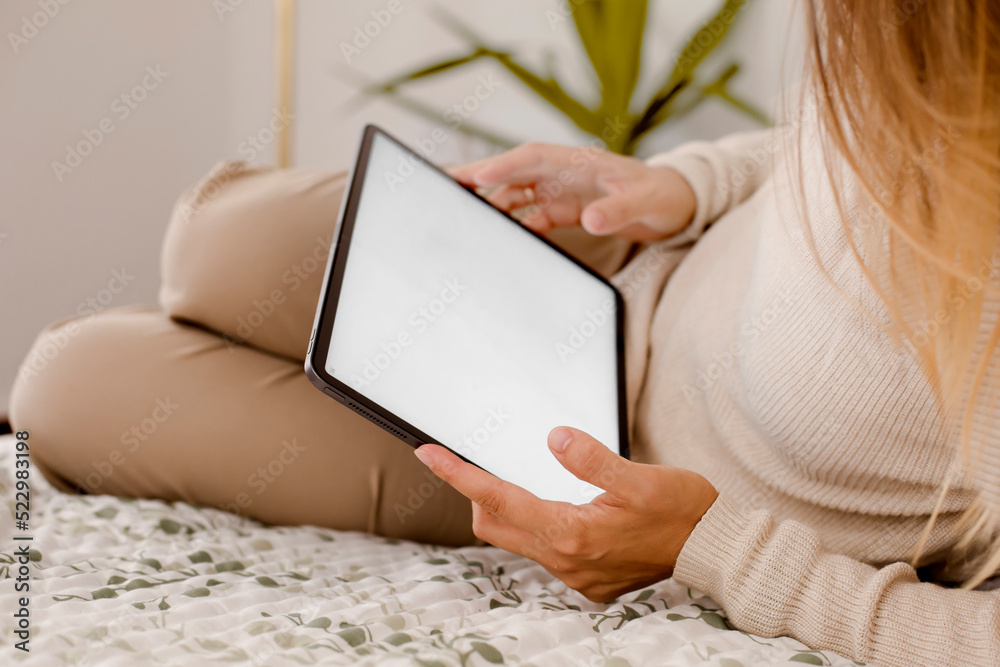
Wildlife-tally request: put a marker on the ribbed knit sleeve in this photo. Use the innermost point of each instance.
(776, 579)
(722, 174)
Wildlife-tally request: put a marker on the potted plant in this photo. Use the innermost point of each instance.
(611, 34)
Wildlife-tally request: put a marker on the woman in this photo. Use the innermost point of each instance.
(813, 383)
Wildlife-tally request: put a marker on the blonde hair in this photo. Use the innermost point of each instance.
(909, 96)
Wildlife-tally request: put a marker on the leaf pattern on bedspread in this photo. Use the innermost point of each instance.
(138, 582)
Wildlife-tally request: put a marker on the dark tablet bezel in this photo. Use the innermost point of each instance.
(319, 341)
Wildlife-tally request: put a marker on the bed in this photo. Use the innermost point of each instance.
(143, 582)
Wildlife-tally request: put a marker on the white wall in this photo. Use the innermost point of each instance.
(62, 236)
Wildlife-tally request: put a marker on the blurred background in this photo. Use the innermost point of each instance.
(112, 108)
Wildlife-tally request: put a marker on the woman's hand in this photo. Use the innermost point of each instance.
(605, 193)
(624, 539)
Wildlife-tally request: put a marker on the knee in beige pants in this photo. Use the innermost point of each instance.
(135, 404)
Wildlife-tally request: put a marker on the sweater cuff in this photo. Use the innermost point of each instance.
(712, 548)
(699, 175)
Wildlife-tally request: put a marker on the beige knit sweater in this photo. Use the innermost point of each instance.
(823, 438)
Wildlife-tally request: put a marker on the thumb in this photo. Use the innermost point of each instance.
(632, 215)
(590, 460)
(610, 214)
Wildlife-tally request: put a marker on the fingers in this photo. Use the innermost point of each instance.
(539, 214)
(464, 173)
(500, 533)
(593, 462)
(505, 500)
(613, 213)
(560, 212)
(523, 165)
(512, 197)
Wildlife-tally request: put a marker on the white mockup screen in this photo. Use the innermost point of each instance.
(464, 325)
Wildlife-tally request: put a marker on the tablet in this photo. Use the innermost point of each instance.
(444, 320)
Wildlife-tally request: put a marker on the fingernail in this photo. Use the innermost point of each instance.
(559, 438)
(424, 456)
(596, 221)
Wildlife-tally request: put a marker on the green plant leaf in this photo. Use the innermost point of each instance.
(553, 93)
(698, 47)
(703, 42)
(611, 34)
(390, 85)
(720, 88)
(648, 121)
(547, 88)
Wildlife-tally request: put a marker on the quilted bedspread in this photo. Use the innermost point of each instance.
(141, 582)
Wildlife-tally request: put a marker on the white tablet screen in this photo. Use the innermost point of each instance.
(463, 324)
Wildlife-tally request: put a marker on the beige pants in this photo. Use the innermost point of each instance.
(206, 401)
